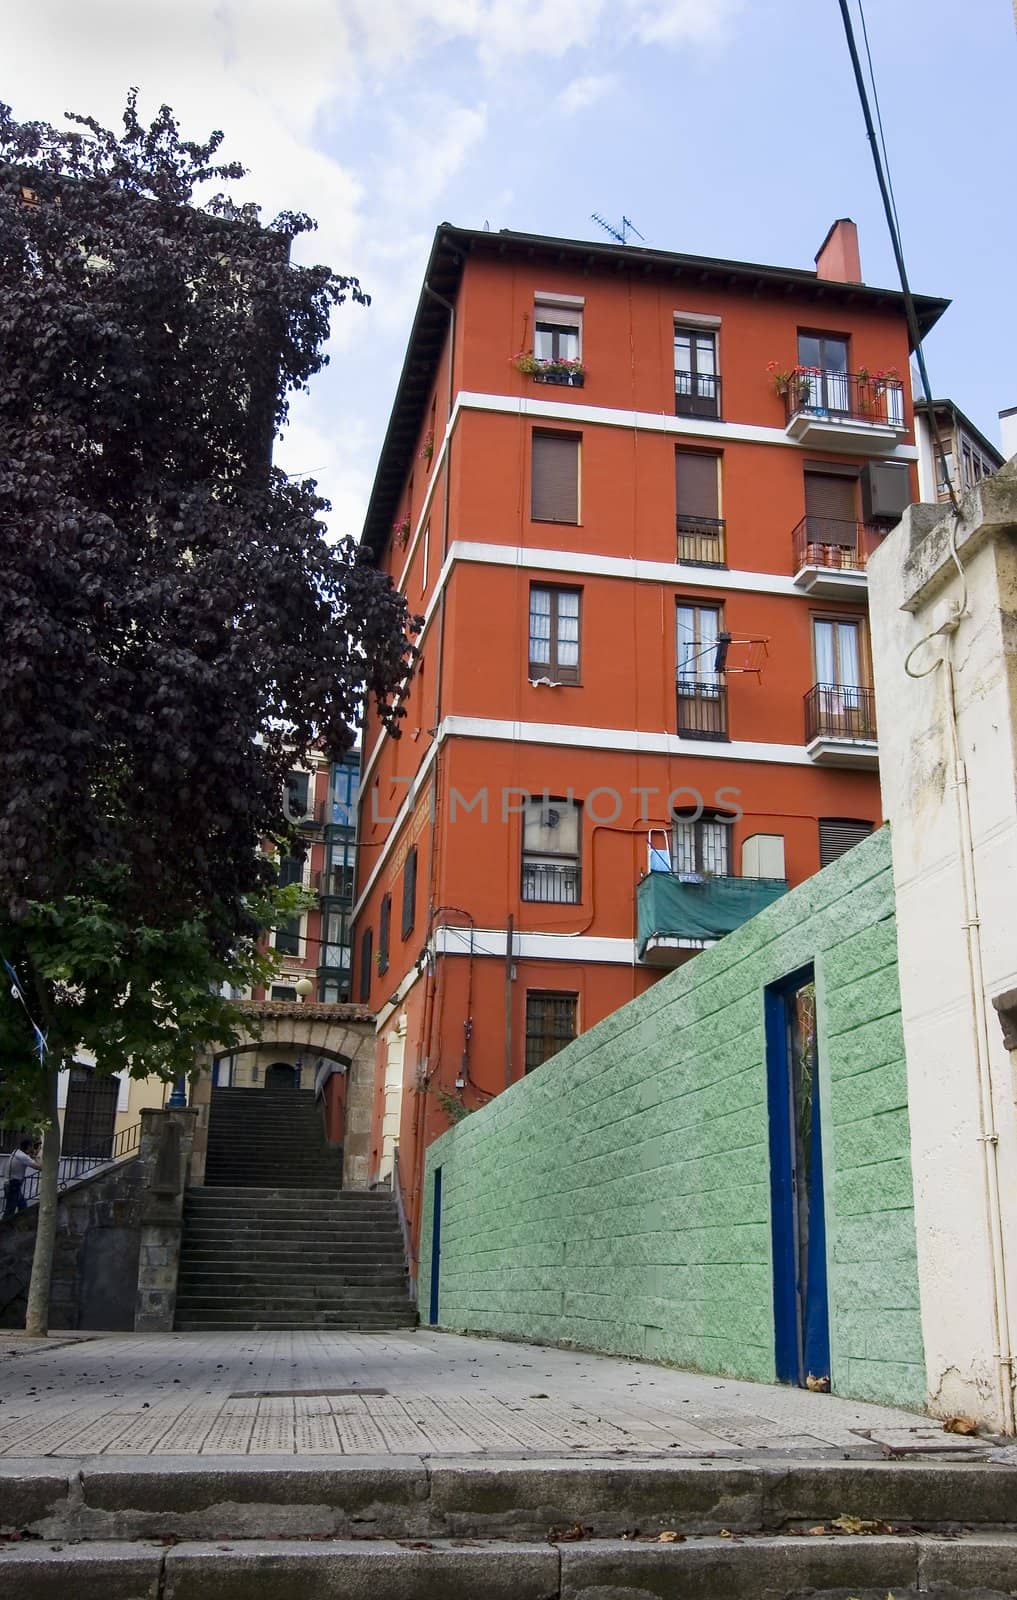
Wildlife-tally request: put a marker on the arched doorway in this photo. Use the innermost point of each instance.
(281, 1075)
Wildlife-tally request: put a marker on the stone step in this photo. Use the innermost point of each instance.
(244, 1321)
(354, 1303)
(238, 1501)
(278, 1231)
(344, 1197)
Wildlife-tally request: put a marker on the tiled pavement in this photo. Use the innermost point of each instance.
(309, 1394)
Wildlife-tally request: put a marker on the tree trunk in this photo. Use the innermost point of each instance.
(37, 1315)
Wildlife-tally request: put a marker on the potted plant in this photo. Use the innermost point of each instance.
(427, 448)
(549, 370)
(401, 531)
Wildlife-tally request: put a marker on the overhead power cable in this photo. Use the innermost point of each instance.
(890, 210)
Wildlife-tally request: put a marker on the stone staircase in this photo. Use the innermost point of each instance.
(269, 1138)
(272, 1242)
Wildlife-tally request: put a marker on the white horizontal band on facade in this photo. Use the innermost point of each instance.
(573, 737)
(653, 422)
(586, 564)
(455, 940)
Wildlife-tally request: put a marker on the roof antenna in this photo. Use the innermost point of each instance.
(621, 233)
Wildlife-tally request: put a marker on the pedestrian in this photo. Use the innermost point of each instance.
(24, 1160)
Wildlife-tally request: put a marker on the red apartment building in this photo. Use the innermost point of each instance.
(633, 494)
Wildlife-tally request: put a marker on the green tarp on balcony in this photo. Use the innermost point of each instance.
(669, 909)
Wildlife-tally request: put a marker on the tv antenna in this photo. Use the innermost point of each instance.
(621, 233)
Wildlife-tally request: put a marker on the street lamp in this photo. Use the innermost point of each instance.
(303, 987)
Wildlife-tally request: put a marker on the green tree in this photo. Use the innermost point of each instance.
(175, 627)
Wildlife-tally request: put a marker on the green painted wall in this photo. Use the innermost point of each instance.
(618, 1198)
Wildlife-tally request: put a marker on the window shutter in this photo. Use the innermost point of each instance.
(409, 892)
(830, 495)
(555, 479)
(837, 835)
(384, 926)
(696, 484)
(366, 951)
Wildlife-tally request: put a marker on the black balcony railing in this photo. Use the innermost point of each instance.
(568, 380)
(832, 542)
(702, 709)
(554, 881)
(701, 541)
(855, 395)
(839, 711)
(696, 394)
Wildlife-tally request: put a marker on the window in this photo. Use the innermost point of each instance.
(696, 384)
(551, 851)
(366, 951)
(409, 891)
(384, 927)
(283, 991)
(701, 847)
(298, 794)
(826, 355)
(697, 502)
(837, 835)
(554, 485)
(838, 646)
(335, 942)
(554, 634)
(831, 519)
(974, 466)
(345, 791)
(550, 1024)
(334, 991)
(340, 869)
(425, 557)
(287, 934)
(556, 333)
(840, 705)
(702, 696)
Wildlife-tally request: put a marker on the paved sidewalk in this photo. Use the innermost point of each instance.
(410, 1393)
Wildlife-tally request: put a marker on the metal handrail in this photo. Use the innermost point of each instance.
(862, 396)
(696, 394)
(404, 1225)
(701, 540)
(833, 542)
(839, 711)
(72, 1167)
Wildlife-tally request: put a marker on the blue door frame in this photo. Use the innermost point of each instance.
(797, 1208)
(432, 1316)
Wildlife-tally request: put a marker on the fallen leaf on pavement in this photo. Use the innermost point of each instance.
(670, 1536)
(564, 1535)
(960, 1425)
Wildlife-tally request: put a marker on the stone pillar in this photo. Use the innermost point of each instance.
(359, 1098)
(164, 1158)
(947, 748)
(201, 1105)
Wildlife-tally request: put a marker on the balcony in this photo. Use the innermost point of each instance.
(840, 726)
(701, 541)
(553, 882)
(696, 394)
(678, 915)
(702, 709)
(830, 556)
(844, 410)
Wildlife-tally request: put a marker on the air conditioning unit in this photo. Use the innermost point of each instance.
(886, 491)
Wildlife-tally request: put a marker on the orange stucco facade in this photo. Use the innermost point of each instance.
(452, 522)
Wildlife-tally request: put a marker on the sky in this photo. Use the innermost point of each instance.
(720, 127)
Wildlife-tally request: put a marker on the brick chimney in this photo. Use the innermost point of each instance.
(838, 257)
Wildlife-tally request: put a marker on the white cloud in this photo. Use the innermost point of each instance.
(295, 88)
(584, 92)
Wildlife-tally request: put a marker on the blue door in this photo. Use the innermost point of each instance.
(435, 1247)
(801, 1309)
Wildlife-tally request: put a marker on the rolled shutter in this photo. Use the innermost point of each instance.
(696, 477)
(837, 835)
(831, 505)
(555, 480)
(409, 891)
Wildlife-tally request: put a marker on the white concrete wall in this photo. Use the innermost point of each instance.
(960, 1076)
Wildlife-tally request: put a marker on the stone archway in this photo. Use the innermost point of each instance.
(331, 1046)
